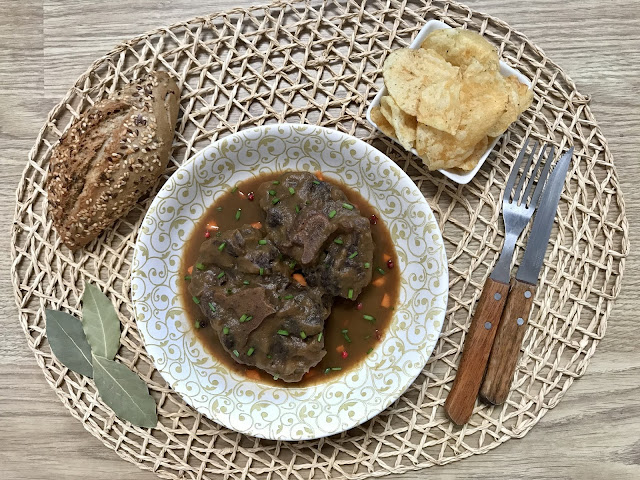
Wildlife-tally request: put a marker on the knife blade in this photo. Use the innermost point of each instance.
(543, 223)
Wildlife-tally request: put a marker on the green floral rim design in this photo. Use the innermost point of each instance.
(259, 409)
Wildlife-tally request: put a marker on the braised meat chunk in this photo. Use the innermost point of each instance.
(262, 316)
(266, 289)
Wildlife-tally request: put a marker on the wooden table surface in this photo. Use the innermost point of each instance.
(595, 430)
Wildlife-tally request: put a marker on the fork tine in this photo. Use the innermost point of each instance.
(534, 173)
(514, 170)
(543, 178)
(516, 195)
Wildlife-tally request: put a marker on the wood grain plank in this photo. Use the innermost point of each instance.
(595, 430)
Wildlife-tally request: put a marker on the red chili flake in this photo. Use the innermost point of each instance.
(344, 354)
(373, 219)
(359, 306)
(378, 335)
(390, 264)
(251, 196)
(207, 234)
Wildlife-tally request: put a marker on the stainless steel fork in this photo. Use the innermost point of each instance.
(517, 209)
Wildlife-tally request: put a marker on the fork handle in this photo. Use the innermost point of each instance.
(506, 347)
(477, 345)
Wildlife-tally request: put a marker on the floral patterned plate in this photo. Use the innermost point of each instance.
(291, 413)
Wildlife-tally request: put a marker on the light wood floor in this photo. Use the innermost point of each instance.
(593, 433)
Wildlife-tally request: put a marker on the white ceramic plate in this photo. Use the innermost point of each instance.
(505, 70)
(264, 410)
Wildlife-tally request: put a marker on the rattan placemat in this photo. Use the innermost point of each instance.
(319, 63)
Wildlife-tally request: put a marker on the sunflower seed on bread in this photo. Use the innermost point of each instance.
(110, 157)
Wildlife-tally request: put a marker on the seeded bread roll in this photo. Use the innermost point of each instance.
(110, 157)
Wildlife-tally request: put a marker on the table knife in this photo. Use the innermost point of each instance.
(513, 323)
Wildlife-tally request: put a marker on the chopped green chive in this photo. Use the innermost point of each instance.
(275, 377)
(187, 277)
(221, 274)
(292, 191)
(316, 182)
(219, 209)
(345, 334)
(336, 369)
(332, 213)
(283, 332)
(249, 318)
(250, 351)
(369, 351)
(353, 255)
(243, 318)
(367, 265)
(229, 291)
(306, 202)
(327, 370)
(235, 352)
(288, 297)
(200, 266)
(297, 209)
(261, 271)
(222, 245)
(234, 189)
(350, 294)
(276, 182)
(212, 306)
(275, 200)
(348, 206)
(367, 337)
(303, 335)
(218, 234)
(225, 330)
(268, 356)
(338, 241)
(369, 318)
(272, 192)
(196, 300)
(292, 264)
(262, 242)
(380, 271)
(238, 213)
(320, 336)
(246, 282)
(197, 323)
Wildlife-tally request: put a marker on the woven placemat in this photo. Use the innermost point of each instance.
(319, 62)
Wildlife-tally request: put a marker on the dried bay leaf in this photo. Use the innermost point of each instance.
(100, 322)
(125, 392)
(68, 342)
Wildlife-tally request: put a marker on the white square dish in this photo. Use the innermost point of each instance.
(505, 70)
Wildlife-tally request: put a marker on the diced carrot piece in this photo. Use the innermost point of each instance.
(320, 176)
(257, 225)
(190, 270)
(386, 257)
(300, 279)
(252, 374)
(378, 282)
(340, 348)
(386, 301)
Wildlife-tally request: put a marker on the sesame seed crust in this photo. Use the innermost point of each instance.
(110, 157)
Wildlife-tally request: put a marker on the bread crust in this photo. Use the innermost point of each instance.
(110, 157)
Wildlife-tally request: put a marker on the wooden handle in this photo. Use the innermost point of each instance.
(477, 345)
(506, 347)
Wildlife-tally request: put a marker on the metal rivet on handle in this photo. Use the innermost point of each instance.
(527, 294)
(520, 321)
(487, 325)
(497, 296)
